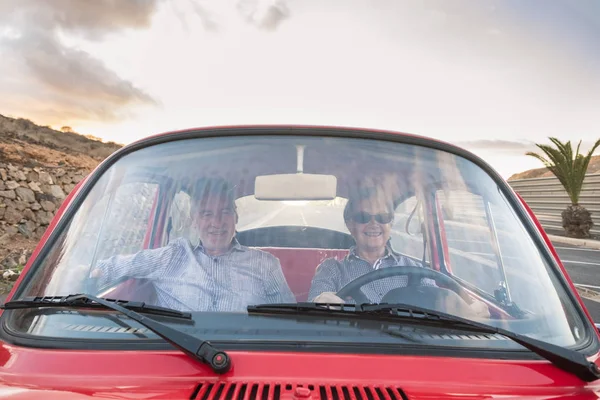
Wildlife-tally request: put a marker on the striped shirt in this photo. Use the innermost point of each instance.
(188, 279)
(332, 275)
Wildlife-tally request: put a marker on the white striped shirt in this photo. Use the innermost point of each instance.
(188, 279)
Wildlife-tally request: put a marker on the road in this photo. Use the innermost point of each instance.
(583, 266)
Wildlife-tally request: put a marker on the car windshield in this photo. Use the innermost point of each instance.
(213, 225)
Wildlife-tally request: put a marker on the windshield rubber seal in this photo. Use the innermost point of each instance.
(589, 346)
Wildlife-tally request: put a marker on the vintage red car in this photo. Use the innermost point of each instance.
(286, 262)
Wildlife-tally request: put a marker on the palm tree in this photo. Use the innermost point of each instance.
(570, 169)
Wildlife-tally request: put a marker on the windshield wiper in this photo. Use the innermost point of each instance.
(565, 359)
(198, 349)
(87, 302)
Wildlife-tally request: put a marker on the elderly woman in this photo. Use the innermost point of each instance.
(368, 215)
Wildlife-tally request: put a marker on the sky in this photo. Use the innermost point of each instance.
(493, 76)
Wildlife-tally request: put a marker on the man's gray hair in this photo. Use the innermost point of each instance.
(212, 187)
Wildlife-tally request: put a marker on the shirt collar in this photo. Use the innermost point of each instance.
(389, 253)
(236, 246)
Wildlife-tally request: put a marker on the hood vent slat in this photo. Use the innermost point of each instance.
(283, 391)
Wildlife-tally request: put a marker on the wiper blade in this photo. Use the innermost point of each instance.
(198, 349)
(85, 301)
(565, 359)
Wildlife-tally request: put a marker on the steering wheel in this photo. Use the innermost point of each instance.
(415, 274)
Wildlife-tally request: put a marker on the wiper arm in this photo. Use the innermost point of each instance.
(565, 359)
(200, 350)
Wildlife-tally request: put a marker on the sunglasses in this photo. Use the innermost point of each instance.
(363, 217)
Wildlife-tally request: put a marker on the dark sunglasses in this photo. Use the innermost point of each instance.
(363, 217)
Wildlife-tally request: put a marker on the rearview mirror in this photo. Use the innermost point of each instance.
(300, 186)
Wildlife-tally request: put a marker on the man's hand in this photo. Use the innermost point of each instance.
(96, 273)
(328, 297)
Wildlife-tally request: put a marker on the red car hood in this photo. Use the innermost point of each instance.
(53, 374)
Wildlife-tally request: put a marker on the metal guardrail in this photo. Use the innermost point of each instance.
(548, 199)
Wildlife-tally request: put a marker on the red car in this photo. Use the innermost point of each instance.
(281, 262)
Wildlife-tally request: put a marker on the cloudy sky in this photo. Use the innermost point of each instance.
(491, 75)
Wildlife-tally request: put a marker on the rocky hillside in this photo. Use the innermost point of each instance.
(39, 166)
(594, 168)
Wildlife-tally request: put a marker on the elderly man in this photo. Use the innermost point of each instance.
(217, 274)
(369, 214)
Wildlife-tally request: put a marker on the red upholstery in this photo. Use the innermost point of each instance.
(299, 265)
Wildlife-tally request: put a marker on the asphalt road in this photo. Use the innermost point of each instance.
(583, 266)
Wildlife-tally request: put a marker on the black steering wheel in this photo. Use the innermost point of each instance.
(415, 274)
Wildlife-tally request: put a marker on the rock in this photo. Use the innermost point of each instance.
(25, 194)
(2, 186)
(9, 194)
(27, 228)
(36, 206)
(5, 238)
(48, 205)
(58, 172)
(57, 192)
(12, 216)
(12, 185)
(44, 196)
(69, 188)
(29, 215)
(23, 259)
(44, 217)
(45, 188)
(45, 178)
(78, 178)
(12, 230)
(2, 210)
(21, 205)
(39, 232)
(9, 263)
(33, 176)
(3, 174)
(17, 174)
(35, 187)
(65, 179)
(24, 231)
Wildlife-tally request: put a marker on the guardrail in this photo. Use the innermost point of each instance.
(548, 199)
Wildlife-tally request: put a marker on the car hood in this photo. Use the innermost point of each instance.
(277, 375)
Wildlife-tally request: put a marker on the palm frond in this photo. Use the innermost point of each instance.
(569, 168)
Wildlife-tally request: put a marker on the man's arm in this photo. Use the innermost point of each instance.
(276, 286)
(147, 263)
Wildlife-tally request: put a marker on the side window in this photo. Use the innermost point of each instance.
(469, 239)
(121, 227)
(408, 240)
(179, 217)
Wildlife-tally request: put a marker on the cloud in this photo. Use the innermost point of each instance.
(505, 146)
(508, 147)
(53, 79)
(73, 82)
(92, 19)
(265, 14)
